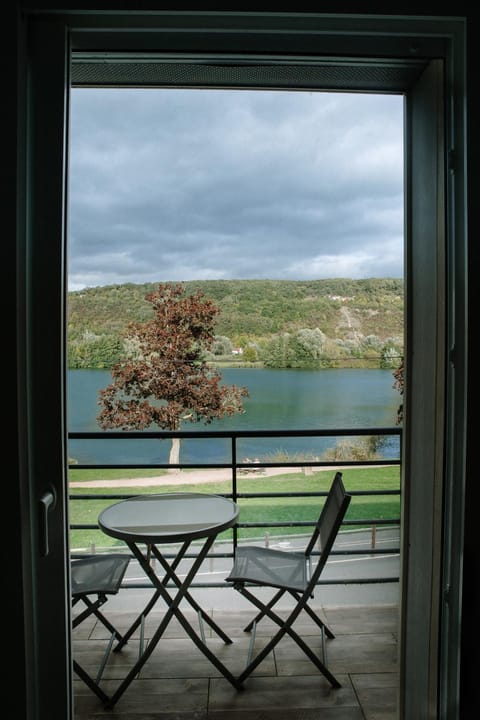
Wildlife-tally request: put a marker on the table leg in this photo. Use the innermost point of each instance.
(172, 610)
(155, 597)
(204, 615)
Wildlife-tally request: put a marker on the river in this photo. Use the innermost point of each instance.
(278, 400)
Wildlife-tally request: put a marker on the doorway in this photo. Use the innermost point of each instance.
(47, 229)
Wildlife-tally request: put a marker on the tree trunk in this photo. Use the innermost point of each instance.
(174, 457)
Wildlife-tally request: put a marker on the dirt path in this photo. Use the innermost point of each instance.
(193, 477)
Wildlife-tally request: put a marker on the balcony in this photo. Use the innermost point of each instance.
(358, 597)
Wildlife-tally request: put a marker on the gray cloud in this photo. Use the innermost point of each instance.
(194, 184)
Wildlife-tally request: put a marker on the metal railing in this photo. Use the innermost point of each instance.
(237, 467)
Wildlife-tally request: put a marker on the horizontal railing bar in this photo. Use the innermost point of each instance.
(366, 551)
(153, 434)
(238, 465)
(228, 555)
(394, 522)
(359, 551)
(251, 496)
(373, 521)
(356, 493)
(120, 496)
(353, 581)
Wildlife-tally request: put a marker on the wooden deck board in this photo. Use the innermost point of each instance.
(178, 683)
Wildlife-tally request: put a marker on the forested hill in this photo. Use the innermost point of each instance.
(277, 322)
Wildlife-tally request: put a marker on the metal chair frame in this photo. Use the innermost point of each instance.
(301, 586)
(103, 587)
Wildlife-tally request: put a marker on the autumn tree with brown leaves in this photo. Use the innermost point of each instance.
(163, 379)
(398, 385)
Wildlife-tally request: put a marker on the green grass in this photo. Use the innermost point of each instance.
(75, 475)
(282, 510)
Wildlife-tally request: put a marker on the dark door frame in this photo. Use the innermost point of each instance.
(353, 40)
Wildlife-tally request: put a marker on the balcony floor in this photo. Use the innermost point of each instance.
(178, 682)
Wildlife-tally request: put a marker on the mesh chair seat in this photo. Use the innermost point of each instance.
(100, 576)
(276, 568)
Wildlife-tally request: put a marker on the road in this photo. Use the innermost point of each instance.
(341, 568)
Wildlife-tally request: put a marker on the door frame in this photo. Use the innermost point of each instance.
(50, 37)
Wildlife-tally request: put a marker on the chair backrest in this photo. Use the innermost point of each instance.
(328, 524)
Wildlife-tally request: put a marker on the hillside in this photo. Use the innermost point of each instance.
(359, 319)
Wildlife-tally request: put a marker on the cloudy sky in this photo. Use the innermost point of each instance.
(219, 184)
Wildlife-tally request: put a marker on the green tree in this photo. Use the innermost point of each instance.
(311, 344)
(163, 378)
(94, 351)
(279, 353)
(222, 345)
(250, 353)
(390, 355)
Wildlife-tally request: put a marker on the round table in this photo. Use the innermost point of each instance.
(148, 522)
(171, 517)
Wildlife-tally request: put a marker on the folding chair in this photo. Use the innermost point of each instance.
(100, 576)
(295, 573)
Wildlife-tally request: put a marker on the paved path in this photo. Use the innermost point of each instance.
(193, 477)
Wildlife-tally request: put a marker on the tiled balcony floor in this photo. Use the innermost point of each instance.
(178, 682)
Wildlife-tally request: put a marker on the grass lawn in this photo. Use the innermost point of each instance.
(252, 510)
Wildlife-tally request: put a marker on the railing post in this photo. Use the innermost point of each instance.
(234, 486)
